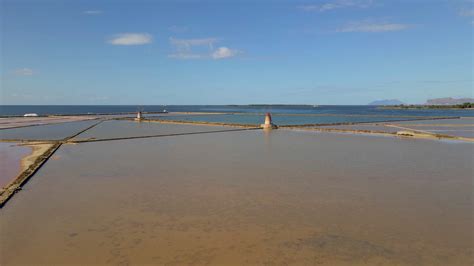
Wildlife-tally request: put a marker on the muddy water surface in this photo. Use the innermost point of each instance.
(125, 129)
(249, 197)
(10, 161)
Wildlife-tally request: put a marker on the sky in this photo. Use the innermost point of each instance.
(235, 52)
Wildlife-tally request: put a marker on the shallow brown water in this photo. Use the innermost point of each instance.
(250, 197)
(10, 161)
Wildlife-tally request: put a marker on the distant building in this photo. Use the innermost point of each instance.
(139, 116)
(268, 122)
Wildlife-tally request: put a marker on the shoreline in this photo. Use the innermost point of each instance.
(37, 149)
(422, 108)
(404, 132)
(29, 165)
(407, 133)
(104, 114)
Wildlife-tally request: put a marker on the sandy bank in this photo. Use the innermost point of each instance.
(37, 150)
(29, 165)
(406, 133)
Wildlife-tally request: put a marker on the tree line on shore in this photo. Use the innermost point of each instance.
(469, 105)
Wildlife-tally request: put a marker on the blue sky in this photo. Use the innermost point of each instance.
(235, 52)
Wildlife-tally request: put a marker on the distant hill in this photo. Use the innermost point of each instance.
(449, 101)
(386, 102)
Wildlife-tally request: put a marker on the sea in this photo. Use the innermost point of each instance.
(19, 110)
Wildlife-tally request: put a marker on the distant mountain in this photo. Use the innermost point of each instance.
(386, 102)
(448, 101)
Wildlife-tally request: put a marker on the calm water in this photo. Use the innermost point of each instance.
(369, 127)
(454, 122)
(94, 109)
(46, 132)
(253, 197)
(455, 127)
(281, 119)
(121, 129)
(467, 133)
(10, 161)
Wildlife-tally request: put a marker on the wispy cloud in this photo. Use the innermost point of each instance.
(182, 55)
(131, 39)
(366, 26)
(200, 48)
(466, 12)
(224, 52)
(92, 12)
(336, 4)
(187, 44)
(24, 72)
(184, 47)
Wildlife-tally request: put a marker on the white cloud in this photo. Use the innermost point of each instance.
(24, 72)
(337, 4)
(131, 39)
(199, 48)
(92, 12)
(224, 52)
(187, 44)
(372, 27)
